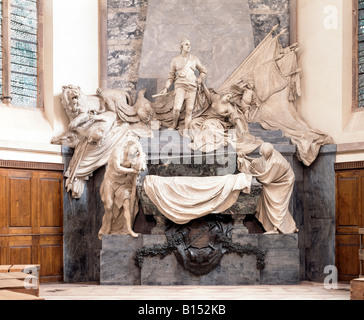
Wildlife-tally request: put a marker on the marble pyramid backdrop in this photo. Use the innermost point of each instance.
(143, 36)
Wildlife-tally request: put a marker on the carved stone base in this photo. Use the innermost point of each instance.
(281, 263)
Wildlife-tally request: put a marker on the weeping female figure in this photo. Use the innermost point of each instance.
(274, 172)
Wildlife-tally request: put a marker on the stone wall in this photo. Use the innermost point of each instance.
(125, 30)
(118, 265)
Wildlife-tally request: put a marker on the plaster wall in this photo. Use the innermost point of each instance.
(70, 57)
(325, 32)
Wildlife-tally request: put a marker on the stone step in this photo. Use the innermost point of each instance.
(171, 141)
(258, 129)
(272, 136)
(275, 141)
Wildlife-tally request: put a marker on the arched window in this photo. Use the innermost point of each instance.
(21, 53)
(358, 54)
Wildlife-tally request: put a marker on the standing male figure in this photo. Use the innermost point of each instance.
(118, 189)
(182, 74)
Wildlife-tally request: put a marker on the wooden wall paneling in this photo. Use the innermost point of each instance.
(20, 195)
(31, 220)
(347, 203)
(347, 248)
(361, 206)
(20, 250)
(3, 224)
(51, 203)
(51, 258)
(4, 250)
(349, 218)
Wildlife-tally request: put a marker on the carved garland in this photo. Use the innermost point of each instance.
(167, 248)
(159, 249)
(241, 250)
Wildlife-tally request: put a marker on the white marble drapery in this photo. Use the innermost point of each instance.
(182, 199)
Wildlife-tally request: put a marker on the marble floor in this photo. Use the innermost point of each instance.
(93, 291)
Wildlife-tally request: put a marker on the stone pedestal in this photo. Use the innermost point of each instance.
(117, 264)
(282, 263)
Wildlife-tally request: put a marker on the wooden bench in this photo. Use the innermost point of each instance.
(12, 295)
(17, 286)
(19, 279)
(4, 268)
(357, 289)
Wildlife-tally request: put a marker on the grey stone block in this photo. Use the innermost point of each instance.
(117, 263)
(116, 4)
(278, 241)
(232, 270)
(124, 26)
(167, 271)
(281, 267)
(244, 239)
(320, 248)
(282, 259)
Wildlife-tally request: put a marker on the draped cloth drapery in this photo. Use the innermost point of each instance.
(182, 199)
(277, 177)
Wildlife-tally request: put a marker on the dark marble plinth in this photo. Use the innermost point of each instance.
(312, 205)
(117, 265)
(81, 222)
(318, 239)
(281, 259)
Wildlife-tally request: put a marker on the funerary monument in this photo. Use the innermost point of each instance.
(208, 176)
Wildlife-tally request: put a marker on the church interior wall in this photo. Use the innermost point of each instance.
(325, 32)
(72, 56)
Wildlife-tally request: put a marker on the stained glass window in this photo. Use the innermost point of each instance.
(361, 54)
(23, 33)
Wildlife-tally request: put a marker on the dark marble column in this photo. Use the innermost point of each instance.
(319, 214)
(81, 222)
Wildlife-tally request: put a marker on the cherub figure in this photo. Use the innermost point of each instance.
(118, 189)
(246, 98)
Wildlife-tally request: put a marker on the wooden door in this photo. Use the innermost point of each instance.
(349, 218)
(31, 220)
